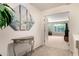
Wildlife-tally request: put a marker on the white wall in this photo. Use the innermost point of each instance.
(7, 34)
(74, 23)
(73, 19)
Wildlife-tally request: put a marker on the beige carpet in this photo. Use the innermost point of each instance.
(57, 42)
(55, 46)
(48, 51)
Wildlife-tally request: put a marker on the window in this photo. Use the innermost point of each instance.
(59, 27)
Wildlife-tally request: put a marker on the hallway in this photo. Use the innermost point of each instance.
(55, 46)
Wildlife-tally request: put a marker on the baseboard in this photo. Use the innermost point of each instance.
(38, 47)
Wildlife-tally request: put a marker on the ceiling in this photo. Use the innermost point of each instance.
(45, 6)
(58, 17)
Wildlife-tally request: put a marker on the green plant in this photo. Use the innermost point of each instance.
(6, 15)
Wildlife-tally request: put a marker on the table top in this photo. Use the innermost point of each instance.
(24, 38)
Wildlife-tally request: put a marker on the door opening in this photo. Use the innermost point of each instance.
(55, 27)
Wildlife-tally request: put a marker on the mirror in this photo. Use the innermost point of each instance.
(23, 20)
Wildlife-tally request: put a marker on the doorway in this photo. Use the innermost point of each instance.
(55, 30)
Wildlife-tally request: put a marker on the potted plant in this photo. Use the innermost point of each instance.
(6, 15)
(66, 36)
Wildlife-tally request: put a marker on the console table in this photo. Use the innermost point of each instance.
(23, 46)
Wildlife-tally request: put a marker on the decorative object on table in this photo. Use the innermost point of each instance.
(23, 20)
(6, 15)
(66, 36)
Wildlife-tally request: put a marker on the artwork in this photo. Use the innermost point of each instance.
(22, 19)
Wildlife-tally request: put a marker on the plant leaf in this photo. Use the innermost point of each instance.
(6, 15)
(8, 6)
(9, 17)
(2, 7)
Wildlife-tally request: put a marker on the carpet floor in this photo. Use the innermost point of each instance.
(55, 46)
